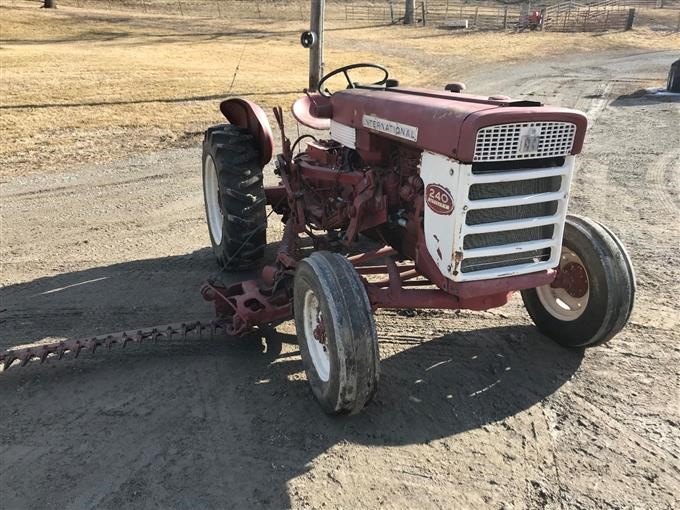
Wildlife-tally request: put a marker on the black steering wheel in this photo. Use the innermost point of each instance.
(350, 83)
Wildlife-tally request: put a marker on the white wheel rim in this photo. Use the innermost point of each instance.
(211, 191)
(317, 350)
(557, 301)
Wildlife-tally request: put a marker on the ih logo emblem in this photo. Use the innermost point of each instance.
(439, 199)
(529, 139)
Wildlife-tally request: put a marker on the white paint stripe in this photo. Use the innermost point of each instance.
(72, 285)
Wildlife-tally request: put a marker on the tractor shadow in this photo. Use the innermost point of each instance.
(218, 415)
(642, 97)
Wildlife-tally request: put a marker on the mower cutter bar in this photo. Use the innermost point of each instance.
(75, 345)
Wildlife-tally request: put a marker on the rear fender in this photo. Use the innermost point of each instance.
(247, 115)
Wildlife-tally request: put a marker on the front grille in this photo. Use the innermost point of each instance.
(525, 140)
(507, 219)
(513, 217)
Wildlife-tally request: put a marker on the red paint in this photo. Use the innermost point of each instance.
(447, 123)
(314, 111)
(439, 199)
(248, 115)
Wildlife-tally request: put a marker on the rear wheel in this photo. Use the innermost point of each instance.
(234, 196)
(336, 333)
(592, 296)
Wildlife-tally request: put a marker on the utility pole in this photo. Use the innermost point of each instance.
(410, 12)
(316, 48)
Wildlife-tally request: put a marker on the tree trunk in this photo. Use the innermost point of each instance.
(410, 12)
(50, 4)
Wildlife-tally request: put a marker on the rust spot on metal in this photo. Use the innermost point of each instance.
(572, 278)
(457, 259)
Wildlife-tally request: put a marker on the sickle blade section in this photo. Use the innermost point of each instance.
(58, 348)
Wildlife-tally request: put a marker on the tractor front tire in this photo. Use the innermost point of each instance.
(336, 333)
(234, 197)
(592, 297)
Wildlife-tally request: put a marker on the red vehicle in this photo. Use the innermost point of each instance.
(466, 197)
(533, 20)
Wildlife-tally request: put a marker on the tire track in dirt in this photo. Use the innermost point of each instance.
(594, 105)
(663, 181)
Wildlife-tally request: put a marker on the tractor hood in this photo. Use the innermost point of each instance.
(441, 122)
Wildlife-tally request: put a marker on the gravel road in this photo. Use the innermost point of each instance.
(475, 409)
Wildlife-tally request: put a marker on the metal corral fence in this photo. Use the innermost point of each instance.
(586, 15)
(588, 19)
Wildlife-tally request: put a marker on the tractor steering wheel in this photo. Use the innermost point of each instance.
(350, 83)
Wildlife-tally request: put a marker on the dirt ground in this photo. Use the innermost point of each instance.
(475, 409)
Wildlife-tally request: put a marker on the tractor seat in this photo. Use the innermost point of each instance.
(314, 111)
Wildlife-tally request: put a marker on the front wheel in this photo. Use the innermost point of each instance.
(336, 333)
(592, 296)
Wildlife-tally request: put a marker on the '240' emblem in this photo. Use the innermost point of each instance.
(439, 199)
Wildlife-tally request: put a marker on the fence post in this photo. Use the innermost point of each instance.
(476, 16)
(422, 8)
(631, 19)
(505, 18)
(541, 22)
(391, 12)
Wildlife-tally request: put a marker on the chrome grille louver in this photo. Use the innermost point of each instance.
(524, 140)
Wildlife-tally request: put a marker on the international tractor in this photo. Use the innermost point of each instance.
(464, 198)
(404, 198)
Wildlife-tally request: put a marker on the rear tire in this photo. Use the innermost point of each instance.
(234, 197)
(594, 299)
(336, 333)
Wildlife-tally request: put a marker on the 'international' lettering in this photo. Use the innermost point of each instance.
(391, 128)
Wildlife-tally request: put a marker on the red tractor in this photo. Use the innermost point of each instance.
(464, 197)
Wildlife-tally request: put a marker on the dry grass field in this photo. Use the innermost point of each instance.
(85, 85)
